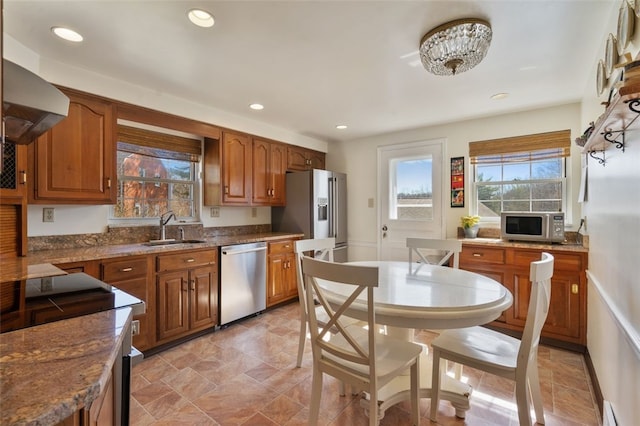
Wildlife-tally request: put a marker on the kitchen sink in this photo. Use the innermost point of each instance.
(169, 242)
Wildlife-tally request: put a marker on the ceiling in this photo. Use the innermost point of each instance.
(317, 64)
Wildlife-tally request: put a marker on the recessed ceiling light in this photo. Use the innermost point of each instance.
(201, 18)
(67, 34)
(257, 107)
(341, 126)
(499, 96)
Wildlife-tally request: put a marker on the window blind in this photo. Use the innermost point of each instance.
(539, 146)
(156, 144)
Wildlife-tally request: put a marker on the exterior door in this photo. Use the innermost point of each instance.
(410, 194)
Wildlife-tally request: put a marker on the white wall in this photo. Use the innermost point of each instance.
(358, 159)
(613, 215)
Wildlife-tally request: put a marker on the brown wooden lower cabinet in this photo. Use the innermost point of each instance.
(566, 322)
(186, 293)
(281, 269)
(131, 275)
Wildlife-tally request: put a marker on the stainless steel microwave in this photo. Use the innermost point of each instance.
(532, 226)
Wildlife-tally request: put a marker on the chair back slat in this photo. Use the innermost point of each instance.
(444, 249)
(540, 275)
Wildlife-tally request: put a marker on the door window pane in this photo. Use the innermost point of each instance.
(412, 189)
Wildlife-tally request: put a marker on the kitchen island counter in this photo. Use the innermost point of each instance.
(50, 371)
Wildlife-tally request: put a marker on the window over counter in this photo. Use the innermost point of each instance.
(157, 172)
(524, 174)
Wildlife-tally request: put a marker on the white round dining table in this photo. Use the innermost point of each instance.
(430, 296)
(422, 296)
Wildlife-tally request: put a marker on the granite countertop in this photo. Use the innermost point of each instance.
(50, 371)
(13, 269)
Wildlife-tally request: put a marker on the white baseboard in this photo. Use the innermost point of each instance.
(608, 418)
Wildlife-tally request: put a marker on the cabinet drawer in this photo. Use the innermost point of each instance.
(171, 262)
(562, 261)
(281, 247)
(122, 270)
(482, 255)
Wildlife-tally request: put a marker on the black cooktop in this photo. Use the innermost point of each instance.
(37, 301)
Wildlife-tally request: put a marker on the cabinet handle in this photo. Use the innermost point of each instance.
(109, 183)
(226, 189)
(193, 285)
(23, 173)
(126, 269)
(574, 288)
(477, 254)
(190, 260)
(185, 287)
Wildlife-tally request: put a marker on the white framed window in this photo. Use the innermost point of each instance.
(156, 172)
(524, 174)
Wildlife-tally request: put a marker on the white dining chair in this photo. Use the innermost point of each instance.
(433, 251)
(321, 248)
(361, 357)
(499, 354)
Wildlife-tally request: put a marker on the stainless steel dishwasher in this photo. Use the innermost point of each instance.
(243, 281)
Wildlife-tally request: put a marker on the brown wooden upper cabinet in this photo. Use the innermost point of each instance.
(269, 169)
(301, 159)
(227, 170)
(74, 162)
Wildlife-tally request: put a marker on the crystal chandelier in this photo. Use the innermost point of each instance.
(456, 46)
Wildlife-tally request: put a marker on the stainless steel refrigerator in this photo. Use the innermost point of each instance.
(316, 206)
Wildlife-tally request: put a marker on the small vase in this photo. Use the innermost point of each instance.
(471, 232)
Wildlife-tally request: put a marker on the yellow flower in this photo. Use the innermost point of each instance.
(469, 221)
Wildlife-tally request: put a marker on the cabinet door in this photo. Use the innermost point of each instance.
(276, 283)
(236, 168)
(502, 278)
(278, 168)
(102, 411)
(203, 297)
(74, 162)
(269, 168)
(172, 304)
(297, 159)
(290, 276)
(261, 173)
(316, 160)
(563, 319)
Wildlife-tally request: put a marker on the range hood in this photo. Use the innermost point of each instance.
(30, 105)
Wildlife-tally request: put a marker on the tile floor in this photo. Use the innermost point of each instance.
(245, 374)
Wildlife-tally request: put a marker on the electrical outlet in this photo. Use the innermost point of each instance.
(370, 202)
(47, 214)
(135, 327)
(215, 211)
(254, 212)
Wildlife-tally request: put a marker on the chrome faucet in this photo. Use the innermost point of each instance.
(166, 217)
